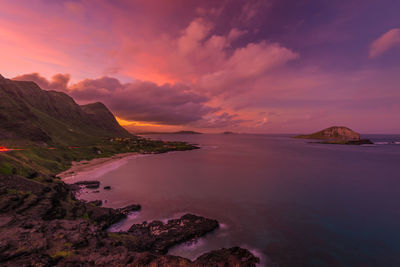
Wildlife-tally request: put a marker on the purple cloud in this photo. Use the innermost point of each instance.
(385, 42)
(58, 82)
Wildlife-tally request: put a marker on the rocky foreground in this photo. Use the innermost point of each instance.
(44, 225)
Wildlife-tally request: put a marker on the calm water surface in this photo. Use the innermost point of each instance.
(285, 199)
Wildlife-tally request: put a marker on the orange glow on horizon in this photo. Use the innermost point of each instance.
(4, 149)
(123, 122)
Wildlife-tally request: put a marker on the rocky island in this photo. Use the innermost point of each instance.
(42, 223)
(337, 135)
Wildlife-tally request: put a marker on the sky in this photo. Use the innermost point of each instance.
(256, 66)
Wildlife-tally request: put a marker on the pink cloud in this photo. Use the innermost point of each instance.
(245, 66)
(111, 41)
(141, 101)
(75, 8)
(385, 42)
(58, 82)
(191, 39)
(202, 59)
(235, 34)
(197, 63)
(250, 10)
(51, 37)
(144, 101)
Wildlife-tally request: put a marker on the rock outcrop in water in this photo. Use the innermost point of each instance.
(89, 184)
(129, 209)
(158, 237)
(44, 225)
(337, 135)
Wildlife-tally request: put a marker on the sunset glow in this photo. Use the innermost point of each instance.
(3, 149)
(199, 133)
(249, 66)
(135, 123)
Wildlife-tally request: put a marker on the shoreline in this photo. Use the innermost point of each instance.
(42, 225)
(190, 227)
(86, 166)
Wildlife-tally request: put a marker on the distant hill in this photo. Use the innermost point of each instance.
(186, 132)
(180, 132)
(333, 133)
(29, 114)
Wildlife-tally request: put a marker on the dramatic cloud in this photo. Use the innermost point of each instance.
(200, 56)
(193, 35)
(185, 72)
(223, 120)
(256, 66)
(138, 101)
(246, 65)
(387, 41)
(144, 101)
(58, 82)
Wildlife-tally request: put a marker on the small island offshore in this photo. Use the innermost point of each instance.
(42, 223)
(337, 135)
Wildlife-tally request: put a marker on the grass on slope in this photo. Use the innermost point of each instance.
(34, 160)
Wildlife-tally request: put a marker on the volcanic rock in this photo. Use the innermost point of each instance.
(158, 237)
(337, 135)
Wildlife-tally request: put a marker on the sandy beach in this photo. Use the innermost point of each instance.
(87, 168)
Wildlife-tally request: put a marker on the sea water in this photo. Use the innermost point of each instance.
(287, 200)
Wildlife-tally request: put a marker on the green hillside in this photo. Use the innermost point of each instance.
(47, 130)
(30, 114)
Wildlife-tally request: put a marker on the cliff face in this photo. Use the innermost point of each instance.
(100, 116)
(28, 113)
(334, 133)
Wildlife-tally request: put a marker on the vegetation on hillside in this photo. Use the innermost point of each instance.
(47, 130)
(33, 160)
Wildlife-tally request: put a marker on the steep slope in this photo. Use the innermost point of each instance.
(42, 132)
(30, 114)
(103, 118)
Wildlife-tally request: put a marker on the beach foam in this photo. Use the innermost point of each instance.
(92, 170)
(119, 226)
(263, 258)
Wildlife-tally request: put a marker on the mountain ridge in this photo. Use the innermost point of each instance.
(29, 113)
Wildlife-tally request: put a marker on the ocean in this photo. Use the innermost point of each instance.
(289, 201)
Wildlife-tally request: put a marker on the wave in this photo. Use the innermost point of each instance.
(256, 252)
(387, 143)
(194, 243)
(94, 172)
(119, 226)
(381, 143)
